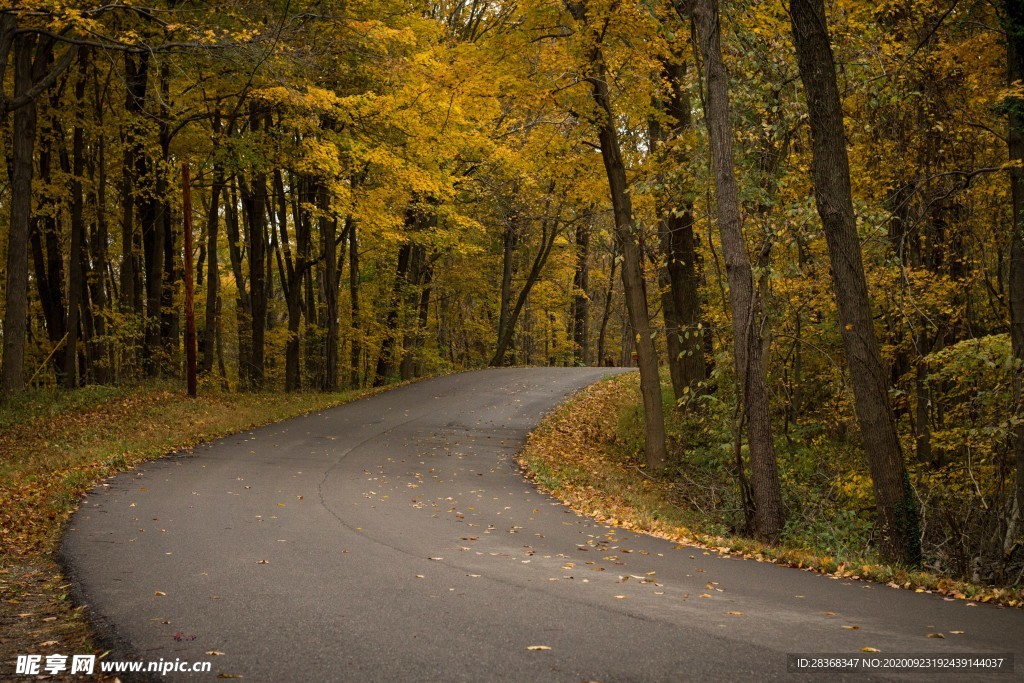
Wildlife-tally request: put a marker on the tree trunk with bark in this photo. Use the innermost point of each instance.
(507, 330)
(896, 506)
(12, 377)
(78, 258)
(628, 244)
(581, 297)
(329, 247)
(768, 514)
(678, 278)
(212, 319)
(1014, 25)
(356, 349)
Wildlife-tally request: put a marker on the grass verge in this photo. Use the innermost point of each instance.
(56, 445)
(585, 454)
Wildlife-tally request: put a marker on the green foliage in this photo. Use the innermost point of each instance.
(976, 379)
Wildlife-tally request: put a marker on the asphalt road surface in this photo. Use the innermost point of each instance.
(395, 539)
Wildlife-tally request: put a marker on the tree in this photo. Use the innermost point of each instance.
(1014, 26)
(33, 75)
(896, 506)
(679, 276)
(598, 77)
(767, 515)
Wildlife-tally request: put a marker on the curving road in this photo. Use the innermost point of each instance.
(394, 539)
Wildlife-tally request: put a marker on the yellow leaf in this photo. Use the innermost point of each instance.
(538, 647)
(870, 649)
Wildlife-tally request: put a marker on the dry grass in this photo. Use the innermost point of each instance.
(55, 445)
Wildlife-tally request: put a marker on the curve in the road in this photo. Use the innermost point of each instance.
(394, 539)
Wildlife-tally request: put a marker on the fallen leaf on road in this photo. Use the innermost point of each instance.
(214, 653)
(936, 635)
(224, 675)
(738, 614)
(959, 633)
(870, 649)
(160, 593)
(852, 627)
(262, 562)
(538, 647)
(48, 643)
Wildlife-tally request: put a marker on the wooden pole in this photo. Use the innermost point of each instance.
(190, 312)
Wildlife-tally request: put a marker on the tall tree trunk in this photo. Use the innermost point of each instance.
(12, 375)
(1014, 25)
(212, 266)
(768, 514)
(356, 350)
(606, 315)
(100, 363)
(148, 211)
(581, 298)
(508, 250)
(627, 240)
(254, 203)
(895, 503)
(243, 303)
(386, 358)
(307, 197)
(137, 78)
(77, 257)
(329, 248)
(418, 302)
(547, 241)
(170, 321)
(47, 255)
(678, 279)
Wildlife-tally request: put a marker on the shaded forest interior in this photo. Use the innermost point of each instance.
(807, 214)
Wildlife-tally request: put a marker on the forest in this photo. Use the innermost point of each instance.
(800, 219)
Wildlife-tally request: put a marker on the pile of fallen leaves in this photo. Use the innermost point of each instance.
(576, 455)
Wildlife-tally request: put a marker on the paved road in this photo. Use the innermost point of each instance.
(394, 539)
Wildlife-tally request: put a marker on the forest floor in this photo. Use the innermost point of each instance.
(56, 445)
(588, 453)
